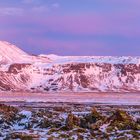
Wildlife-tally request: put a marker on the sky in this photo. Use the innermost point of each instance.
(72, 27)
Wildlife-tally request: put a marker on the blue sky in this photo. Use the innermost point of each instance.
(72, 27)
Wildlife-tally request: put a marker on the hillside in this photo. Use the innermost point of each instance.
(20, 71)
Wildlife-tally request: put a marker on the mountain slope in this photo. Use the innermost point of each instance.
(9, 53)
(67, 73)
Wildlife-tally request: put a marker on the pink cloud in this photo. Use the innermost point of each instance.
(125, 24)
(58, 43)
(124, 2)
(96, 24)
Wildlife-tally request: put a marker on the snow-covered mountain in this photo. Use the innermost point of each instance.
(20, 71)
(11, 54)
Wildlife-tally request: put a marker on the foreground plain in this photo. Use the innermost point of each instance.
(69, 116)
(68, 121)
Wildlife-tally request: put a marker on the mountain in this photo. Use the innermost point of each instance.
(20, 71)
(9, 53)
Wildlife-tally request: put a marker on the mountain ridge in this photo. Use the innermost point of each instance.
(52, 73)
(10, 53)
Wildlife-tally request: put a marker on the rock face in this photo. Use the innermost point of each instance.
(93, 77)
(67, 73)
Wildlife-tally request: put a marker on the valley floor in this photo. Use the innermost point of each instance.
(105, 98)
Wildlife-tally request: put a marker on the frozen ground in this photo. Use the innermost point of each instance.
(68, 121)
(69, 116)
(104, 98)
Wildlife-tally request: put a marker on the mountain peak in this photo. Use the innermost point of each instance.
(9, 52)
(4, 45)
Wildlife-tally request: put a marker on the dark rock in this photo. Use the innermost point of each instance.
(72, 121)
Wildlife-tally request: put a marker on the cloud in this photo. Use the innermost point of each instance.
(30, 1)
(94, 24)
(67, 47)
(56, 5)
(122, 24)
(131, 2)
(40, 9)
(11, 11)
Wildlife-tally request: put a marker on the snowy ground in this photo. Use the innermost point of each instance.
(69, 116)
(68, 121)
(104, 98)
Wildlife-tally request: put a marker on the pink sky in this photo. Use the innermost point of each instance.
(59, 27)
